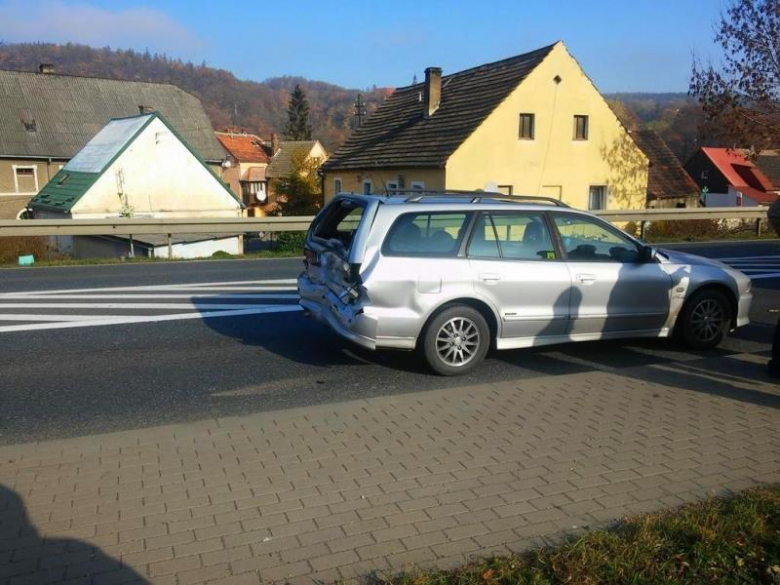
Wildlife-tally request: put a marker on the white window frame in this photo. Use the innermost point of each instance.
(370, 186)
(417, 185)
(337, 180)
(392, 187)
(16, 178)
(605, 191)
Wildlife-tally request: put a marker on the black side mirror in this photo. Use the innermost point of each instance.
(647, 254)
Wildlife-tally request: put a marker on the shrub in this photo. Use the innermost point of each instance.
(14, 246)
(290, 241)
(221, 254)
(684, 231)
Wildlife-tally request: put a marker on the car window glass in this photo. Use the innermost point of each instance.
(425, 234)
(587, 239)
(522, 236)
(340, 222)
(484, 242)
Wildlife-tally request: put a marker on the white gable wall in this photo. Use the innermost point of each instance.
(160, 177)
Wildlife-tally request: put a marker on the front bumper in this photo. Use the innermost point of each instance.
(743, 309)
(348, 320)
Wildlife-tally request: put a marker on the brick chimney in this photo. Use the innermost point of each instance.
(432, 93)
(145, 109)
(274, 143)
(46, 68)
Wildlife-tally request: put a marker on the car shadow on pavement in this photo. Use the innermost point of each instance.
(31, 557)
(301, 339)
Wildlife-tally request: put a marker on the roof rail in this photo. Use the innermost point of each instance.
(418, 196)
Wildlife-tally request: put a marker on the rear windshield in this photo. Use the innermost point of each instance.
(339, 222)
(425, 234)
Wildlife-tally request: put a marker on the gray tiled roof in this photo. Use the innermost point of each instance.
(281, 163)
(397, 135)
(49, 115)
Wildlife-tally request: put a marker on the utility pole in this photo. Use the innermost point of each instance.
(360, 110)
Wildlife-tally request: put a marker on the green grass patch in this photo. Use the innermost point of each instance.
(67, 261)
(719, 540)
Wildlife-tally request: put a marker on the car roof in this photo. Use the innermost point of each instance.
(464, 199)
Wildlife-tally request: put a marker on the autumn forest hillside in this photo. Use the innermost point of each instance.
(261, 106)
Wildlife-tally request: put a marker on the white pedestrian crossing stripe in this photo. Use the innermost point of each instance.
(91, 307)
(756, 267)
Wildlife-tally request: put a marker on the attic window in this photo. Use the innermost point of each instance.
(26, 117)
(63, 180)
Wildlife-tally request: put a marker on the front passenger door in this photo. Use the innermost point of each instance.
(613, 290)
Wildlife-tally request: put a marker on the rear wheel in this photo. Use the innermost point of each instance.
(456, 341)
(705, 319)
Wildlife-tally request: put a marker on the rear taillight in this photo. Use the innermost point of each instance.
(310, 257)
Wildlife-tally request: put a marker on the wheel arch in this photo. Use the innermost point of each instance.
(720, 287)
(484, 308)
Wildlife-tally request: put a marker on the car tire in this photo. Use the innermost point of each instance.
(456, 341)
(705, 320)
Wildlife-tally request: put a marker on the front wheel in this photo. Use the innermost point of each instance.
(705, 319)
(456, 341)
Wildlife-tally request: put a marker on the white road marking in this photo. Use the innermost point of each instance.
(184, 306)
(211, 286)
(740, 258)
(45, 317)
(152, 319)
(130, 297)
(760, 276)
(201, 300)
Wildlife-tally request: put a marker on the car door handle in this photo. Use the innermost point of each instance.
(489, 278)
(586, 278)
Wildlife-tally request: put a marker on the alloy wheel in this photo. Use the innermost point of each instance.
(707, 320)
(457, 341)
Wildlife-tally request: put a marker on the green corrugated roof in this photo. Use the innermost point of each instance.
(59, 195)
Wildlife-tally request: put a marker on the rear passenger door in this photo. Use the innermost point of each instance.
(515, 266)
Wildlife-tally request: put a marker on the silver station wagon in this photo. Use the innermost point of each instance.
(453, 274)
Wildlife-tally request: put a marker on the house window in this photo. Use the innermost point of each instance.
(367, 187)
(392, 187)
(25, 179)
(597, 197)
(580, 127)
(418, 185)
(705, 174)
(254, 192)
(336, 186)
(527, 126)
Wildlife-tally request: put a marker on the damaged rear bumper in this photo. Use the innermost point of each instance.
(348, 320)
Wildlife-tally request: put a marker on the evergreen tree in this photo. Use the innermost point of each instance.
(298, 124)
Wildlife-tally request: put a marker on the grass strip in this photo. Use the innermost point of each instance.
(726, 540)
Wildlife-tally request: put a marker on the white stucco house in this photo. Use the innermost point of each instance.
(138, 166)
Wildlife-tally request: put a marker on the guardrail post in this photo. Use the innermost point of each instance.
(170, 247)
(758, 227)
(132, 247)
(642, 229)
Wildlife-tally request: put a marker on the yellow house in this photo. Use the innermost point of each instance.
(533, 124)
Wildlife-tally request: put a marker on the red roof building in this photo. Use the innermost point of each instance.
(729, 179)
(249, 157)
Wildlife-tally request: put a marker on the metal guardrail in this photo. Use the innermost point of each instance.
(137, 226)
(234, 225)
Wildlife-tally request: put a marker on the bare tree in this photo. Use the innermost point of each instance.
(740, 98)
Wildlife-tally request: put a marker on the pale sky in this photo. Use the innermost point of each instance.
(639, 45)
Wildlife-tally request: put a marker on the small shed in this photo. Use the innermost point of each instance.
(136, 167)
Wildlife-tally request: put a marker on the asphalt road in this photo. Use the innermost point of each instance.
(75, 360)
